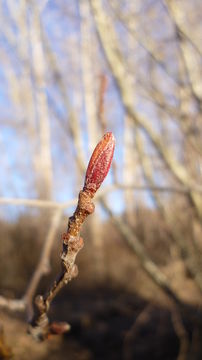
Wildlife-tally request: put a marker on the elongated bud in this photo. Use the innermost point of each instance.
(99, 163)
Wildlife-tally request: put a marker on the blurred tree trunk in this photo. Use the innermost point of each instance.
(44, 161)
(129, 170)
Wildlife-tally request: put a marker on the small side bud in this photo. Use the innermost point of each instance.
(59, 328)
(99, 163)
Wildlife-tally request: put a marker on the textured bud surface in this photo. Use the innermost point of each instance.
(99, 163)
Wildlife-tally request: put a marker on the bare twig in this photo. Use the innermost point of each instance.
(12, 304)
(130, 336)
(181, 333)
(37, 203)
(43, 266)
(98, 167)
(64, 205)
(72, 244)
(154, 272)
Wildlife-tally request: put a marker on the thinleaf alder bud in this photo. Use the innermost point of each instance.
(99, 163)
(97, 170)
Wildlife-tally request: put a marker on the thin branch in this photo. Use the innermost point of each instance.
(154, 272)
(183, 31)
(43, 266)
(181, 333)
(130, 336)
(100, 162)
(12, 304)
(129, 26)
(108, 189)
(173, 231)
(37, 203)
(40, 327)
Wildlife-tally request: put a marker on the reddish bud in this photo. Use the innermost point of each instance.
(58, 328)
(99, 163)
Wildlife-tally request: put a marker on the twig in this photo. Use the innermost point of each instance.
(181, 333)
(130, 335)
(154, 271)
(12, 304)
(43, 266)
(98, 167)
(37, 203)
(64, 205)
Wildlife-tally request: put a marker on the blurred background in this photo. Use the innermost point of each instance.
(69, 72)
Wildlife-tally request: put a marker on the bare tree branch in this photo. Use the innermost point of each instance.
(12, 304)
(43, 266)
(98, 167)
